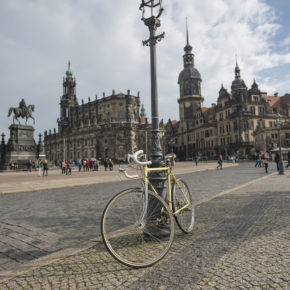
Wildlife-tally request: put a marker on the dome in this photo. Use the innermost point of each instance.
(189, 72)
(238, 83)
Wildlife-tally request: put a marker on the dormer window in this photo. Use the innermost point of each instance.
(256, 99)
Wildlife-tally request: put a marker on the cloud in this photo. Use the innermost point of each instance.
(103, 39)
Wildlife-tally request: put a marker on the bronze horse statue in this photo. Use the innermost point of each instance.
(24, 112)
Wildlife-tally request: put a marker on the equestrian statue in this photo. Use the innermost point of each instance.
(22, 111)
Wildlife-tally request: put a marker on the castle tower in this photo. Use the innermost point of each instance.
(67, 100)
(239, 88)
(189, 82)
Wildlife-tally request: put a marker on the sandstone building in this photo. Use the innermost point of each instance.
(228, 127)
(110, 126)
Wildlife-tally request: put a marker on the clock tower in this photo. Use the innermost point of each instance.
(189, 83)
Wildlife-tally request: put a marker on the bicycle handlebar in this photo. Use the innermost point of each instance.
(124, 170)
(135, 158)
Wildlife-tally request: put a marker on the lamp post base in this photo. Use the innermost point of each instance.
(281, 168)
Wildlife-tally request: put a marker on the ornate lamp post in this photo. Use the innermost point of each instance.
(154, 10)
(279, 125)
(171, 142)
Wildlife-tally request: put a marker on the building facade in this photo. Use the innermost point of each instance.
(110, 126)
(227, 127)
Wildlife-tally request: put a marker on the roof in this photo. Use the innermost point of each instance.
(273, 101)
(143, 120)
(189, 73)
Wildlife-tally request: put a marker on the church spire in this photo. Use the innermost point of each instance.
(188, 47)
(237, 69)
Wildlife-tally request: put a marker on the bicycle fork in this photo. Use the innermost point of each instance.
(140, 223)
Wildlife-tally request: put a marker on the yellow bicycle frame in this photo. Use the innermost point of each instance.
(170, 180)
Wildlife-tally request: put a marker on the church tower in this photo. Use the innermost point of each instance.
(67, 100)
(189, 83)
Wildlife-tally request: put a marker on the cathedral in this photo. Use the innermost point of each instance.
(231, 126)
(107, 127)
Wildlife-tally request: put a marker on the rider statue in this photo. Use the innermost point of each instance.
(22, 111)
(23, 107)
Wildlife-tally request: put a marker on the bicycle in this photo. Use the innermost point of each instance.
(138, 225)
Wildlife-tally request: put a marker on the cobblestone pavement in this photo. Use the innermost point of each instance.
(37, 224)
(240, 241)
(25, 181)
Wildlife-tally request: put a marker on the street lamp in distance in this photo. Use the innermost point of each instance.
(279, 123)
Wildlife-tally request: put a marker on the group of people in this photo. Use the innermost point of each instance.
(39, 165)
(13, 165)
(262, 160)
(85, 165)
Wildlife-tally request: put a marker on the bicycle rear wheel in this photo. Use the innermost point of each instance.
(180, 196)
(134, 242)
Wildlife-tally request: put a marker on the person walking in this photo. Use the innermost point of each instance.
(257, 162)
(45, 167)
(106, 164)
(63, 167)
(277, 159)
(79, 164)
(39, 165)
(111, 164)
(288, 159)
(97, 164)
(68, 167)
(220, 162)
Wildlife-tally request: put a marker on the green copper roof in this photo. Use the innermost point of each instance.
(143, 113)
(69, 73)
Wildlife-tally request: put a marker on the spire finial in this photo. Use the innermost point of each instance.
(187, 40)
(187, 48)
(69, 73)
(236, 60)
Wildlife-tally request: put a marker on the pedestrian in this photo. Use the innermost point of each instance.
(257, 162)
(45, 167)
(39, 165)
(97, 162)
(277, 159)
(63, 167)
(111, 164)
(266, 164)
(220, 162)
(106, 164)
(68, 167)
(87, 165)
(195, 159)
(79, 162)
(30, 165)
(288, 159)
(84, 164)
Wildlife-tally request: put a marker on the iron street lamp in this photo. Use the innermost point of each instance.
(151, 11)
(279, 125)
(171, 143)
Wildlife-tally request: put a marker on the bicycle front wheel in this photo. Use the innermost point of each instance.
(135, 234)
(181, 196)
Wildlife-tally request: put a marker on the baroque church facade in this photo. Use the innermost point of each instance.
(107, 127)
(232, 125)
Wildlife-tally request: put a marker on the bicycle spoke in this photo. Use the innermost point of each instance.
(181, 195)
(132, 243)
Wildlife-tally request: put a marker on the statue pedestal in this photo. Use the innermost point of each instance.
(21, 147)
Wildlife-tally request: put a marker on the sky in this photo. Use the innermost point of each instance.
(103, 40)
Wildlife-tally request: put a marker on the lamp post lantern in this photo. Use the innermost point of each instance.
(151, 11)
(279, 125)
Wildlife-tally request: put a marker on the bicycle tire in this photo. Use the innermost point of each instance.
(185, 218)
(137, 247)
